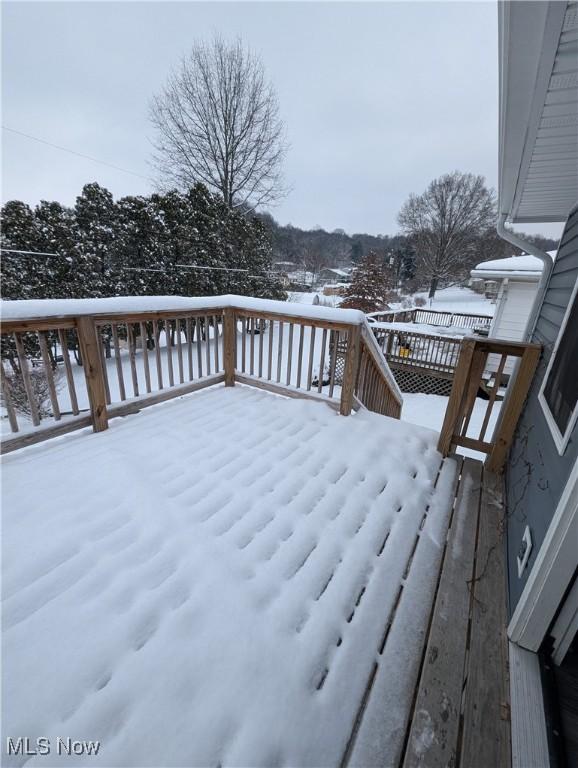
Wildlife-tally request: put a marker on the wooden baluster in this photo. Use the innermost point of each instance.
(322, 360)
(261, 330)
(25, 373)
(243, 343)
(132, 358)
(208, 344)
(270, 352)
(312, 334)
(334, 341)
(280, 351)
(68, 371)
(198, 329)
(216, 338)
(49, 375)
(179, 350)
(118, 362)
(252, 347)
(189, 326)
(157, 334)
(13, 421)
(145, 355)
(476, 373)
(493, 395)
(289, 354)
(91, 362)
(169, 347)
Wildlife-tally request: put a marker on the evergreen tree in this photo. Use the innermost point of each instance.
(170, 244)
(20, 276)
(370, 286)
(408, 266)
(93, 261)
(56, 233)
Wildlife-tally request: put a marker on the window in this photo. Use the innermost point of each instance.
(559, 392)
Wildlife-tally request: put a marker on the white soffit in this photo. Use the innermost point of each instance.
(538, 110)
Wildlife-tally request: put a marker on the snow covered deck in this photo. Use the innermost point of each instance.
(217, 580)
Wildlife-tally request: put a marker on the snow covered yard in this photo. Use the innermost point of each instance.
(454, 299)
(215, 580)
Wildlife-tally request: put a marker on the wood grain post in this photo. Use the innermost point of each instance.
(351, 370)
(513, 408)
(455, 408)
(229, 345)
(93, 373)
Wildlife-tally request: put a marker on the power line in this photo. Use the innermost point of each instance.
(216, 269)
(28, 253)
(73, 152)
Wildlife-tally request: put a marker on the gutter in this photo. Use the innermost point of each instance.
(546, 260)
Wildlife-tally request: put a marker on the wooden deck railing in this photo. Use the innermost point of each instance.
(425, 352)
(432, 317)
(462, 425)
(124, 362)
(373, 371)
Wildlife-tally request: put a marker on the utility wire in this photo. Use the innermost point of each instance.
(148, 269)
(73, 152)
(28, 253)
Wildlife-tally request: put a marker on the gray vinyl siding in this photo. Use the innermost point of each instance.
(536, 474)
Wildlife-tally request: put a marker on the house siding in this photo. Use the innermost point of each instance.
(518, 298)
(514, 304)
(536, 474)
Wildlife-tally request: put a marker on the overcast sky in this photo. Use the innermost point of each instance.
(378, 98)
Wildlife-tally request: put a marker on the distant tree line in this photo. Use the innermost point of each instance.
(187, 244)
(446, 231)
(317, 248)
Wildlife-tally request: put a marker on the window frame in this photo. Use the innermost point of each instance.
(560, 440)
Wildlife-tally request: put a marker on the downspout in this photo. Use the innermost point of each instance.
(548, 266)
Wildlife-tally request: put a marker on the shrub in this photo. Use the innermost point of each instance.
(40, 392)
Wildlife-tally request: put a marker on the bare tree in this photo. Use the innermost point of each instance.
(446, 223)
(217, 122)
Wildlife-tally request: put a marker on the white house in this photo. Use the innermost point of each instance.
(518, 278)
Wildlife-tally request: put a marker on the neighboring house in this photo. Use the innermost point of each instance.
(284, 266)
(301, 279)
(539, 183)
(517, 279)
(334, 275)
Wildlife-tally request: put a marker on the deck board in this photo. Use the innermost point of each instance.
(486, 734)
(435, 730)
(461, 712)
(388, 705)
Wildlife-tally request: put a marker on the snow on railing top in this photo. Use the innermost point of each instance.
(371, 341)
(29, 309)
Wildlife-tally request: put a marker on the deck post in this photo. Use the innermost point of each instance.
(351, 369)
(94, 375)
(455, 407)
(229, 345)
(513, 408)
